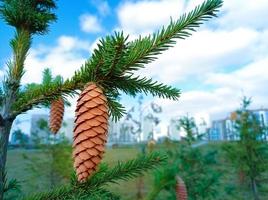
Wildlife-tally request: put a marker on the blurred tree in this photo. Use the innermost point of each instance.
(53, 162)
(110, 70)
(193, 165)
(249, 155)
(187, 124)
(20, 138)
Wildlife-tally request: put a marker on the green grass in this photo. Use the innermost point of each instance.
(18, 167)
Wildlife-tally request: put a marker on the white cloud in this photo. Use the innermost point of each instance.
(102, 7)
(213, 103)
(204, 52)
(251, 79)
(145, 16)
(228, 54)
(90, 23)
(208, 50)
(62, 59)
(244, 13)
(230, 87)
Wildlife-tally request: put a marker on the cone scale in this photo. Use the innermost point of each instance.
(56, 115)
(90, 131)
(181, 191)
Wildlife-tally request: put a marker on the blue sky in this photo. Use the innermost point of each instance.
(68, 23)
(225, 59)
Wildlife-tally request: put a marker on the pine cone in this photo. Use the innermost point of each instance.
(233, 116)
(56, 115)
(181, 191)
(90, 131)
(151, 145)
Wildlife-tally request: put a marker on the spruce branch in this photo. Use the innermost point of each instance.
(112, 64)
(47, 76)
(36, 95)
(122, 171)
(116, 110)
(33, 16)
(144, 50)
(126, 171)
(20, 46)
(100, 194)
(105, 60)
(134, 84)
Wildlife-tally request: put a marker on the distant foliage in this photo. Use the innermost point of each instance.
(195, 167)
(249, 155)
(53, 161)
(111, 67)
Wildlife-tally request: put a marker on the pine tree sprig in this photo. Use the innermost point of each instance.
(105, 60)
(47, 76)
(113, 61)
(30, 15)
(100, 194)
(134, 84)
(126, 170)
(116, 109)
(144, 50)
(90, 188)
(36, 95)
(20, 45)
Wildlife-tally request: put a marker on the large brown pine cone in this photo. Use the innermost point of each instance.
(181, 191)
(90, 131)
(56, 115)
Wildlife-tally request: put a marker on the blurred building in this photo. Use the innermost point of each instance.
(231, 133)
(127, 133)
(113, 132)
(224, 129)
(121, 132)
(67, 128)
(262, 116)
(147, 129)
(174, 132)
(218, 130)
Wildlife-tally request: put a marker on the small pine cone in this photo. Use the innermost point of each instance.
(90, 131)
(151, 145)
(181, 191)
(56, 115)
(233, 116)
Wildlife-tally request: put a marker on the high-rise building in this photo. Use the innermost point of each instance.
(225, 129)
(113, 132)
(218, 130)
(126, 134)
(147, 129)
(262, 116)
(231, 133)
